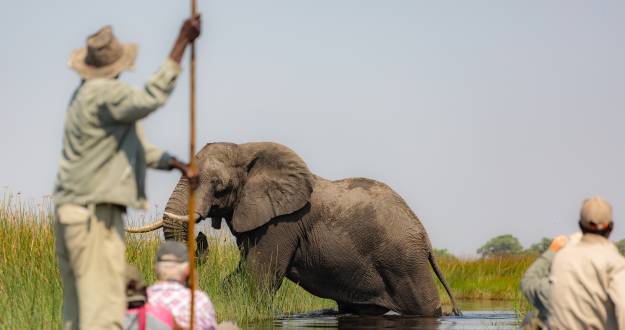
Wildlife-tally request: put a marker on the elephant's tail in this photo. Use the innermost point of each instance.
(441, 278)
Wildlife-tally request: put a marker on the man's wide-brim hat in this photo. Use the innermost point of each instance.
(104, 56)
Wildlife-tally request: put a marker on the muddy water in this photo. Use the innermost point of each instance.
(477, 315)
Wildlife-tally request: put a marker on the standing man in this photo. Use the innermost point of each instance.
(102, 171)
(588, 278)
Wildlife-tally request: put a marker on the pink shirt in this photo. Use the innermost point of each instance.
(148, 316)
(177, 299)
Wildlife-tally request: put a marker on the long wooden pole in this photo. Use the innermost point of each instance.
(193, 166)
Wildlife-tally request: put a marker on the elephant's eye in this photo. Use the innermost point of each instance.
(215, 182)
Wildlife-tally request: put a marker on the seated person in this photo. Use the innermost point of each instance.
(141, 315)
(535, 283)
(172, 272)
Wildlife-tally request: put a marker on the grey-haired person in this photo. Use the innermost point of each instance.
(171, 291)
(140, 314)
(102, 172)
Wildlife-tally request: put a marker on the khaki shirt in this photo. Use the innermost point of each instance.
(588, 286)
(105, 153)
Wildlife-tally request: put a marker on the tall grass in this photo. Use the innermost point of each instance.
(31, 293)
(30, 289)
(243, 299)
(485, 278)
(30, 286)
(493, 278)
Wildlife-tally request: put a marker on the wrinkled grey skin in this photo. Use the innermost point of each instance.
(354, 240)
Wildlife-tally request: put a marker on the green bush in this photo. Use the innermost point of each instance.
(442, 253)
(501, 245)
(540, 247)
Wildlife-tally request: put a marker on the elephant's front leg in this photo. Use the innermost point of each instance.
(267, 261)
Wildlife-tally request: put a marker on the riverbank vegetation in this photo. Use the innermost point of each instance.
(31, 294)
(30, 287)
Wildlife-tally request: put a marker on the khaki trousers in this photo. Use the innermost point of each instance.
(91, 254)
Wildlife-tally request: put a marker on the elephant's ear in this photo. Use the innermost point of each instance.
(278, 183)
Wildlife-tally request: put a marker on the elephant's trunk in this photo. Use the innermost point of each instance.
(175, 217)
(174, 229)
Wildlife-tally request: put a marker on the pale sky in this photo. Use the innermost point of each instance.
(488, 117)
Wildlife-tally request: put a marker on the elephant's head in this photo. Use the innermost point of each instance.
(247, 184)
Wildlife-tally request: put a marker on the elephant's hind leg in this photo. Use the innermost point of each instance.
(416, 297)
(412, 292)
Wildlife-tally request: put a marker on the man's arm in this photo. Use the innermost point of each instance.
(535, 282)
(129, 104)
(189, 31)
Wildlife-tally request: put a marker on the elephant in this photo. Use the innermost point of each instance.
(354, 240)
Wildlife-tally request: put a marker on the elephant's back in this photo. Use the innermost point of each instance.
(367, 210)
(376, 197)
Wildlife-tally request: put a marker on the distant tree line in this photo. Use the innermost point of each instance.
(509, 245)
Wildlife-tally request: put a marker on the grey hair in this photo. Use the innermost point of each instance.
(171, 270)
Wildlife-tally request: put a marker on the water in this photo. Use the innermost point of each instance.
(477, 315)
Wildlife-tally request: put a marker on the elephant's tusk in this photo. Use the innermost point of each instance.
(159, 223)
(177, 217)
(146, 228)
(184, 218)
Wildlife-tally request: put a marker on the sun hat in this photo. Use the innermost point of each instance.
(103, 57)
(173, 251)
(596, 213)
